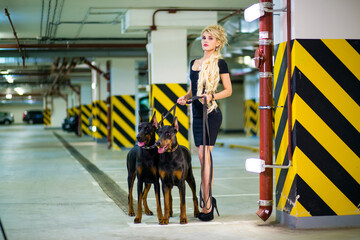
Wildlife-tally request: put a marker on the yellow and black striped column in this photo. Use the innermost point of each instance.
(47, 117)
(164, 97)
(123, 119)
(70, 112)
(322, 188)
(99, 121)
(85, 116)
(251, 117)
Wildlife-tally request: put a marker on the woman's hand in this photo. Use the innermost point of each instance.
(182, 100)
(208, 98)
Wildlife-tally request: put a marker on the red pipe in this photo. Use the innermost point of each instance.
(16, 37)
(108, 102)
(265, 106)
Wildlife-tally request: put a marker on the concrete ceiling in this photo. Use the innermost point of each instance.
(71, 26)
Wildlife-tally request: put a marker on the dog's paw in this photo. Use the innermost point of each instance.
(196, 213)
(183, 221)
(164, 221)
(131, 213)
(137, 220)
(148, 212)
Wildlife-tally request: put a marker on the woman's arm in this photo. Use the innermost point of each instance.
(225, 78)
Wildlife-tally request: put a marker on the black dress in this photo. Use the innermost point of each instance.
(214, 118)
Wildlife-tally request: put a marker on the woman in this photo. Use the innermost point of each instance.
(205, 74)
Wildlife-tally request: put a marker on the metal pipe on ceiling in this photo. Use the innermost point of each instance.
(175, 10)
(54, 66)
(58, 20)
(63, 66)
(73, 46)
(16, 37)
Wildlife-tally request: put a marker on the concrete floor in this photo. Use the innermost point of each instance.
(45, 193)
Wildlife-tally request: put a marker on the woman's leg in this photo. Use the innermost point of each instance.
(205, 178)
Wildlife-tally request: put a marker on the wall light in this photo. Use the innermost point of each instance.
(8, 96)
(19, 90)
(257, 165)
(254, 12)
(258, 10)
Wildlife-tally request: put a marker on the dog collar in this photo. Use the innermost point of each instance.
(151, 147)
(175, 148)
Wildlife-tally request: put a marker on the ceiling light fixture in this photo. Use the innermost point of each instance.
(9, 79)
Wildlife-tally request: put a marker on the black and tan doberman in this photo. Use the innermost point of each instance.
(142, 162)
(174, 169)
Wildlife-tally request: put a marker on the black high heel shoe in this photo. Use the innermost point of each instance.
(210, 215)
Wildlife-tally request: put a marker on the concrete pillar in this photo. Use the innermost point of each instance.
(251, 117)
(168, 69)
(86, 106)
(57, 111)
(99, 107)
(321, 189)
(123, 91)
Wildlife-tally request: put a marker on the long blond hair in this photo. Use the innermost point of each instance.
(209, 73)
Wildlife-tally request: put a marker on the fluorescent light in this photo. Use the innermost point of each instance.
(93, 85)
(4, 72)
(8, 96)
(254, 12)
(19, 90)
(9, 79)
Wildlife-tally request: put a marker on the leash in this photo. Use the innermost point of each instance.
(203, 202)
(3, 230)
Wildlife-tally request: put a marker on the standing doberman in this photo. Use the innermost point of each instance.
(143, 160)
(174, 168)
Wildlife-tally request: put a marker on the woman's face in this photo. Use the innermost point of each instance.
(208, 42)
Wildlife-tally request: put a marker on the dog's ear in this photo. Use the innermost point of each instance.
(140, 117)
(154, 121)
(176, 124)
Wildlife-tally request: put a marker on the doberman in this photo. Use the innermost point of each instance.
(142, 162)
(174, 169)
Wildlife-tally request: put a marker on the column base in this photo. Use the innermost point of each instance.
(318, 221)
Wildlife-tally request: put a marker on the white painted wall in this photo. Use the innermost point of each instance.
(58, 113)
(319, 19)
(85, 93)
(18, 110)
(123, 76)
(233, 109)
(168, 56)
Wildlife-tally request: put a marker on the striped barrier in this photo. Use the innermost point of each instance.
(99, 121)
(47, 117)
(164, 97)
(322, 187)
(251, 117)
(123, 121)
(85, 116)
(70, 112)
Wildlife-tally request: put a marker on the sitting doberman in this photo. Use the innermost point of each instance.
(143, 161)
(174, 168)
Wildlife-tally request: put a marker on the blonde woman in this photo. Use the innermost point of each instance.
(205, 74)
